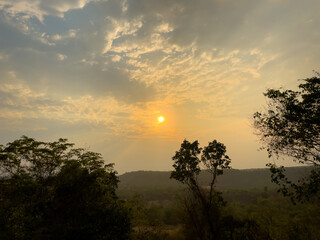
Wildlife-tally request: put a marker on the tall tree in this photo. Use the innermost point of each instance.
(49, 190)
(291, 128)
(202, 205)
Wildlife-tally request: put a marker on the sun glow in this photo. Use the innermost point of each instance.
(160, 119)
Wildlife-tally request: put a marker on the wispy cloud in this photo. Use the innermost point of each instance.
(40, 8)
(118, 64)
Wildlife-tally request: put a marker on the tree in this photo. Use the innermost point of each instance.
(202, 205)
(291, 128)
(49, 190)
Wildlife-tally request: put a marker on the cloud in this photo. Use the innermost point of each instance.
(61, 57)
(40, 8)
(119, 29)
(100, 72)
(142, 56)
(19, 103)
(116, 58)
(71, 33)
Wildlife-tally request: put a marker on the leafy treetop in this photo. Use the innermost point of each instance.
(291, 128)
(50, 190)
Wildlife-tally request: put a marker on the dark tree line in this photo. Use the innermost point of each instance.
(49, 190)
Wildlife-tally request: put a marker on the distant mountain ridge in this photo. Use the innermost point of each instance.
(232, 179)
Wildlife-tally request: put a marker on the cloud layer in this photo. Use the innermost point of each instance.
(116, 65)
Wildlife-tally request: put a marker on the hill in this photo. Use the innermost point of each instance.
(232, 179)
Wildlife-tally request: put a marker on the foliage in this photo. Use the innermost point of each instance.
(278, 216)
(202, 212)
(307, 188)
(255, 214)
(291, 128)
(187, 164)
(154, 220)
(258, 213)
(50, 190)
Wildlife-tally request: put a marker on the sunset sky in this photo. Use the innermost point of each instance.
(101, 72)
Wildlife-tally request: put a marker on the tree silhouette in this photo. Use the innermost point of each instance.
(291, 128)
(49, 190)
(202, 205)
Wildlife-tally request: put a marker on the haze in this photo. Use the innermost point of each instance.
(100, 73)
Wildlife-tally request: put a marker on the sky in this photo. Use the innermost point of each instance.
(101, 72)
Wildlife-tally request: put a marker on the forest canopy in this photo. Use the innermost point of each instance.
(50, 190)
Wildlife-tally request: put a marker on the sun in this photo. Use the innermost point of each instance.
(160, 119)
